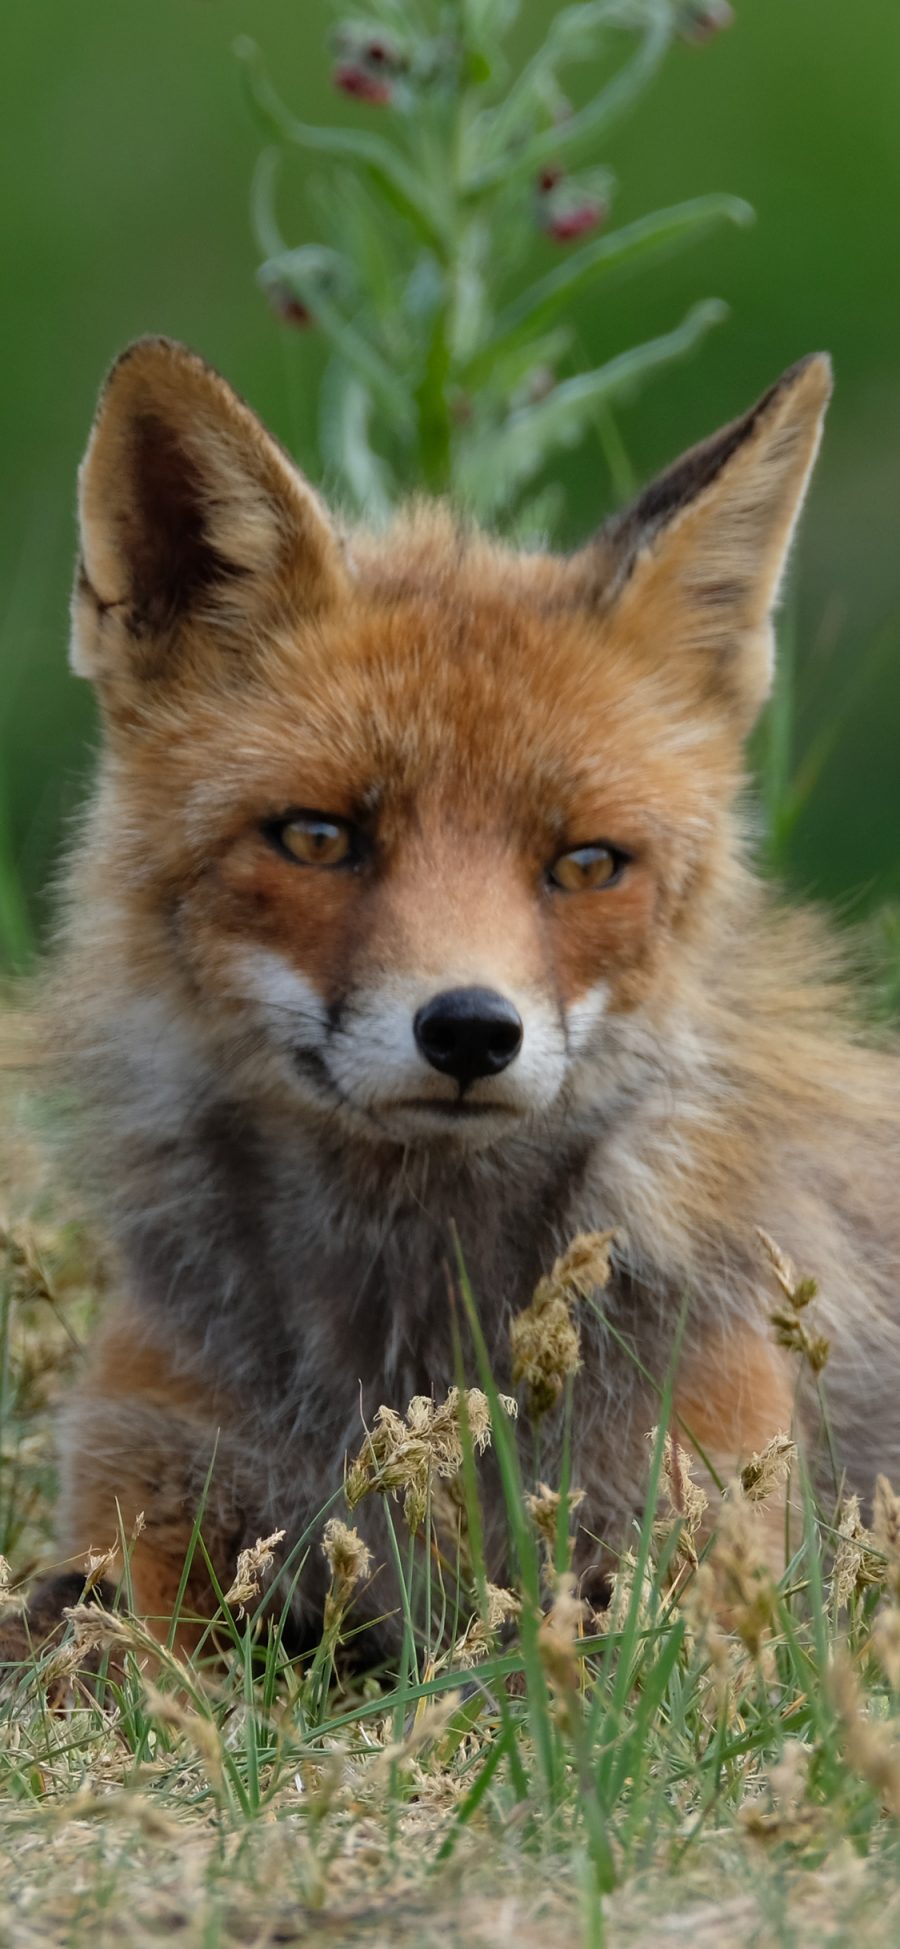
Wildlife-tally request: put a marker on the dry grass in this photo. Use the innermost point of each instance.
(719, 1763)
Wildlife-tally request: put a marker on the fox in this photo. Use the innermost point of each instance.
(416, 910)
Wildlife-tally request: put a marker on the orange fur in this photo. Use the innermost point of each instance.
(731, 1399)
(144, 1494)
(734, 1397)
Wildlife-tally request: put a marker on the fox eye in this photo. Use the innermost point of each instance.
(312, 839)
(588, 868)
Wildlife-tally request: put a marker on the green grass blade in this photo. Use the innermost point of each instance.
(500, 1749)
(523, 1543)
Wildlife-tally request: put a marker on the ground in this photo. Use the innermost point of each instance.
(713, 1761)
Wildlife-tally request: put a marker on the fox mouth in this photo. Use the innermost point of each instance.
(450, 1110)
(455, 1109)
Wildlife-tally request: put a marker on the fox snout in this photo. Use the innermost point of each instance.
(409, 1057)
(467, 1033)
(421, 1058)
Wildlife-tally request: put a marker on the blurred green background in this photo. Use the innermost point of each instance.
(126, 153)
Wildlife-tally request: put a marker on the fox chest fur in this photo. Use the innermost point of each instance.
(413, 921)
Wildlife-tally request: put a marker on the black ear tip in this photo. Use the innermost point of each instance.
(813, 374)
(150, 348)
(149, 360)
(151, 344)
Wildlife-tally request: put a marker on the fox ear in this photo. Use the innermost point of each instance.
(189, 510)
(697, 562)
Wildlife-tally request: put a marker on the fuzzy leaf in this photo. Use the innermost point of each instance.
(618, 253)
(572, 38)
(400, 184)
(595, 120)
(344, 412)
(486, 20)
(299, 271)
(520, 364)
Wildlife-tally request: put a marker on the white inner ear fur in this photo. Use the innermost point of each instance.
(259, 515)
(248, 523)
(241, 520)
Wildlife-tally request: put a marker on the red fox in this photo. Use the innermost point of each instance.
(416, 893)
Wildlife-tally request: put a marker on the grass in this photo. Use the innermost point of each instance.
(714, 1759)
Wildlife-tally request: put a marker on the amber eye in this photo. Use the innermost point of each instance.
(587, 868)
(311, 839)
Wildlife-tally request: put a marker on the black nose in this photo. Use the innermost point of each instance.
(468, 1032)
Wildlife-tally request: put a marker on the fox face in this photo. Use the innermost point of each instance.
(409, 828)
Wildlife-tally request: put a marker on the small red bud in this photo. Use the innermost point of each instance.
(356, 81)
(576, 222)
(291, 309)
(549, 178)
(704, 18)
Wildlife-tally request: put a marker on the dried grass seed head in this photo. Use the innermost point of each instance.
(743, 1577)
(871, 1748)
(544, 1506)
(25, 1272)
(687, 1500)
(558, 1634)
(766, 1471)
(480, 1636)
(349, 1559)
(791, 1330)
(797, 1291)
(546, 1349)
(858, 1563)
(584, 1268)
(408, 1453)
(252, 1565)
(544, 1338)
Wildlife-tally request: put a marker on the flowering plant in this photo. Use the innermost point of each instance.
(447, 357)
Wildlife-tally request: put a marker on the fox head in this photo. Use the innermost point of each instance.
(406, 826)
